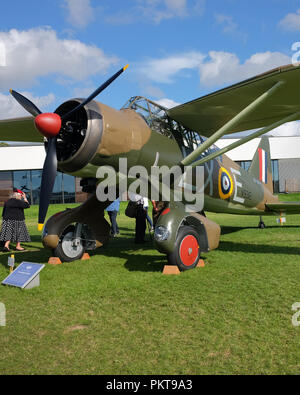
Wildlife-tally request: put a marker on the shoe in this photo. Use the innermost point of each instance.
(21, 249)
(5, 249)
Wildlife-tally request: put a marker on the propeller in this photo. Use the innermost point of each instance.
(50, 125)
(25, 103)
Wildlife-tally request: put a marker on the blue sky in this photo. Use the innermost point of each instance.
(178, 50)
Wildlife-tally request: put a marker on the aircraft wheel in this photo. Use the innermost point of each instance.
(67, 250)
(186, 253)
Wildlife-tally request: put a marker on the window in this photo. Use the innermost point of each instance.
(22, 180)
(158, 120)
(29, 181)
(36, 178)
(68, 188)
(154, 115)
(245, 164)
(275, 174)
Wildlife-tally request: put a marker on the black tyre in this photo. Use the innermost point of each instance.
(66, 251)
(186, 253)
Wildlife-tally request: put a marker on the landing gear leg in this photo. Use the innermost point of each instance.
(261, 224)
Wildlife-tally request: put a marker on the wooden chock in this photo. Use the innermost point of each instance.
(85, 257)
(54, 261)
(201, 263)
(169, 269)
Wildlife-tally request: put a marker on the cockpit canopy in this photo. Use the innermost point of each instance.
(156, 117)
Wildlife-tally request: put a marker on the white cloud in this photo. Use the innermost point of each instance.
(291, 21)
(151, 90)
(288, 129)
(10, 108)
(229, 26)
(80, 12)
(168, 103)
(163, 70)
(199, 7)
(157, 10)
(176, 6)
(39, 52)
(227, 22)
(224, 68)
(215, 69)
(285, 130)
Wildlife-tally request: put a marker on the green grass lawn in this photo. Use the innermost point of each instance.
(117, 313)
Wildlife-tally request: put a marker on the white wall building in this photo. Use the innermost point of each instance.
(20, 167)
(285, 156)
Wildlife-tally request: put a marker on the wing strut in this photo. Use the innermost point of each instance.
(225, 129)
(244, 140)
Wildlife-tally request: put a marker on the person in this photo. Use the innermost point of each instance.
(140, 219)
(146, 207)
(112, 211)
(13, 225)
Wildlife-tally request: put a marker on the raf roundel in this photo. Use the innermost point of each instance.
(225, 184)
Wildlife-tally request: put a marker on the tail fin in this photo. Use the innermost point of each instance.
(261, 167)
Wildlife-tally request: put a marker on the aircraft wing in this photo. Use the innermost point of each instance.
(284, 207)
(19, 129)
(209, 113)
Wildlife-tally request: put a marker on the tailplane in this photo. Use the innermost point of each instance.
(261, 167)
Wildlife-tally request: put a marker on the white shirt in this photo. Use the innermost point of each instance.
(136, 198)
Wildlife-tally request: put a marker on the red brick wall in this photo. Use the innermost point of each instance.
(6, 186)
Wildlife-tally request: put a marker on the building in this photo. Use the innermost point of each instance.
(285, 158)
(21, 167)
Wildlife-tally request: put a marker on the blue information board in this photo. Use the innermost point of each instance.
(26, 275)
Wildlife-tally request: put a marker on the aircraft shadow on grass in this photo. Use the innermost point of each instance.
(258, 248)
(37, 256)
(233, 229)
(124, 248)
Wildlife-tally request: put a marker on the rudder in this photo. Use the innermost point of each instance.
(261, 167)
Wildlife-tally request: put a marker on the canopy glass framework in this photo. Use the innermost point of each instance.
(158, 120)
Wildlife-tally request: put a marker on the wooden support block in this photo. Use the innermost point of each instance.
(201, 263)
(54, 261)
(169, 269)
(85, 257)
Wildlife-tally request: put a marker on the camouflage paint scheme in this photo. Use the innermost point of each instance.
(112, 134)
(140, 145)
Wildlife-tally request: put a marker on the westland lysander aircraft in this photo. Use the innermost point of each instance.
(82, 135)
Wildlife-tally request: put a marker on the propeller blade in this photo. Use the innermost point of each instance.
(96, 92)
(48, 179)
(25, 103)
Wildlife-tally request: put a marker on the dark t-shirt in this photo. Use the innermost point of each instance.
(14, 209)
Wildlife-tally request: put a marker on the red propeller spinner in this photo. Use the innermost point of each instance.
(48, 124)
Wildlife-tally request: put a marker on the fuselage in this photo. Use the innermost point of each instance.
(114, 134)
(245, 195)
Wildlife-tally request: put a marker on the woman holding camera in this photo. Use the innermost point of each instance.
(13, 226)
